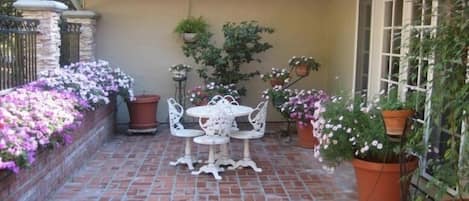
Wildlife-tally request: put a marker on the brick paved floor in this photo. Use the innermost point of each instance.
(136, 168)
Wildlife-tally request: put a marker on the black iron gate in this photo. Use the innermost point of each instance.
(70, 43)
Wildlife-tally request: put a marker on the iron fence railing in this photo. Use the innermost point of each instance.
(17, 51)
(70, 43)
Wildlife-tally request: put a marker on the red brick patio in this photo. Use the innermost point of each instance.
(136, 168)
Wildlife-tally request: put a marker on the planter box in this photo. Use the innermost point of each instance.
(53, 166)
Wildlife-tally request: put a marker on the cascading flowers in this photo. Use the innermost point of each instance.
(306, 105)
(202, 94)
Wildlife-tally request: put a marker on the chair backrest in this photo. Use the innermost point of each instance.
(176, 111)
(215, 99)
(258, 116)
(219, 123)
(231, 99)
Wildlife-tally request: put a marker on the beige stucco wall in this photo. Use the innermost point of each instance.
(341, 44)
(138, 37)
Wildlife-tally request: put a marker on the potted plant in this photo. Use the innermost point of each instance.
(349, 130)
(179, 71)
(142, 112)
(276, 77)
(303, 65)
(304, 107)
(396, 112)
(222, 65)
(201, 95)
(190, 27)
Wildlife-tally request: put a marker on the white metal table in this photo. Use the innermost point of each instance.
(207, 111)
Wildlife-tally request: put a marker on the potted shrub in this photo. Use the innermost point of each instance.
(180, 71)
(222, 65)
(395, 112)
(276, 77)
(190, 27)
(303, 65)
(305, 107)
(349, 130)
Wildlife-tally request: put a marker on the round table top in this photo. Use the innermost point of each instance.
(207, 110)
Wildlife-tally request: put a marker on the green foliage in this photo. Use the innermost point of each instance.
(450, 95)
(6, 8)
(222, 65)
(278, 96)
(192, 25)
(392, 101)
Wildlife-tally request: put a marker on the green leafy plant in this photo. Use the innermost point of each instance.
(192, 25)
(6, 8)
(392, 101)
(279, 95)
(448, 44)
(222, 65)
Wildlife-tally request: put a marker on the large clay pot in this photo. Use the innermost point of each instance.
(381, 181)
(395, 120)
(305, 136)
(275, 82)
(142, 112)
(302, 70)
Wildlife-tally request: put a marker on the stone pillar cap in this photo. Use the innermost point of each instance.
(40, 5)
(80, 14)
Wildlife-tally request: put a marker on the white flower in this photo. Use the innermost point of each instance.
(374, 143)
(349, 130)
(379, 146)
(341, 118)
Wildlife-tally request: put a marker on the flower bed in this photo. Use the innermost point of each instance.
(49, 113)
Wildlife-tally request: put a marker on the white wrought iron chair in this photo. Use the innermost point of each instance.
(176, 111)
(216, 128)
(257, 118)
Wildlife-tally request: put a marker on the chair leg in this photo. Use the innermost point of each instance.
(247, 161)
(210, 167)
(187, 158)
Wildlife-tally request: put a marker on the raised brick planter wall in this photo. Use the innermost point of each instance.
(53, 166)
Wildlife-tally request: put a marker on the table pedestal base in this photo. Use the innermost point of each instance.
(209, 168)
(246, 163)
(188, 160)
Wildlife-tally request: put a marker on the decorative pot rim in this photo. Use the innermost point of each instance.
(393, 113)
(146, 98)
(411, 164)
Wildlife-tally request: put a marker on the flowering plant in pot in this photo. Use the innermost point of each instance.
(278, 95)
(303, 65)
(395, 112)
(349, 130)
(179, 71)
(200, 95)
(305, 106)
(278, 76)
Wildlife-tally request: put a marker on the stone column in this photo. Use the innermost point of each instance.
(87, 19)
(48, 38)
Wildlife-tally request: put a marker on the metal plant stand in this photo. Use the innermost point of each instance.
(179, 93)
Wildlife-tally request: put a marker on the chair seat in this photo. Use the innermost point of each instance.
(188, 133)
(211, 139)
(246, 135)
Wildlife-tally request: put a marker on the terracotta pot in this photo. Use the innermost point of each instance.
(142, 112)
(275, 82)
(302, 70)
(305, 136)
(381, 181)
(395, 120)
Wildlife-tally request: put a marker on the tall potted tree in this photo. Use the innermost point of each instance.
(222, 65)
